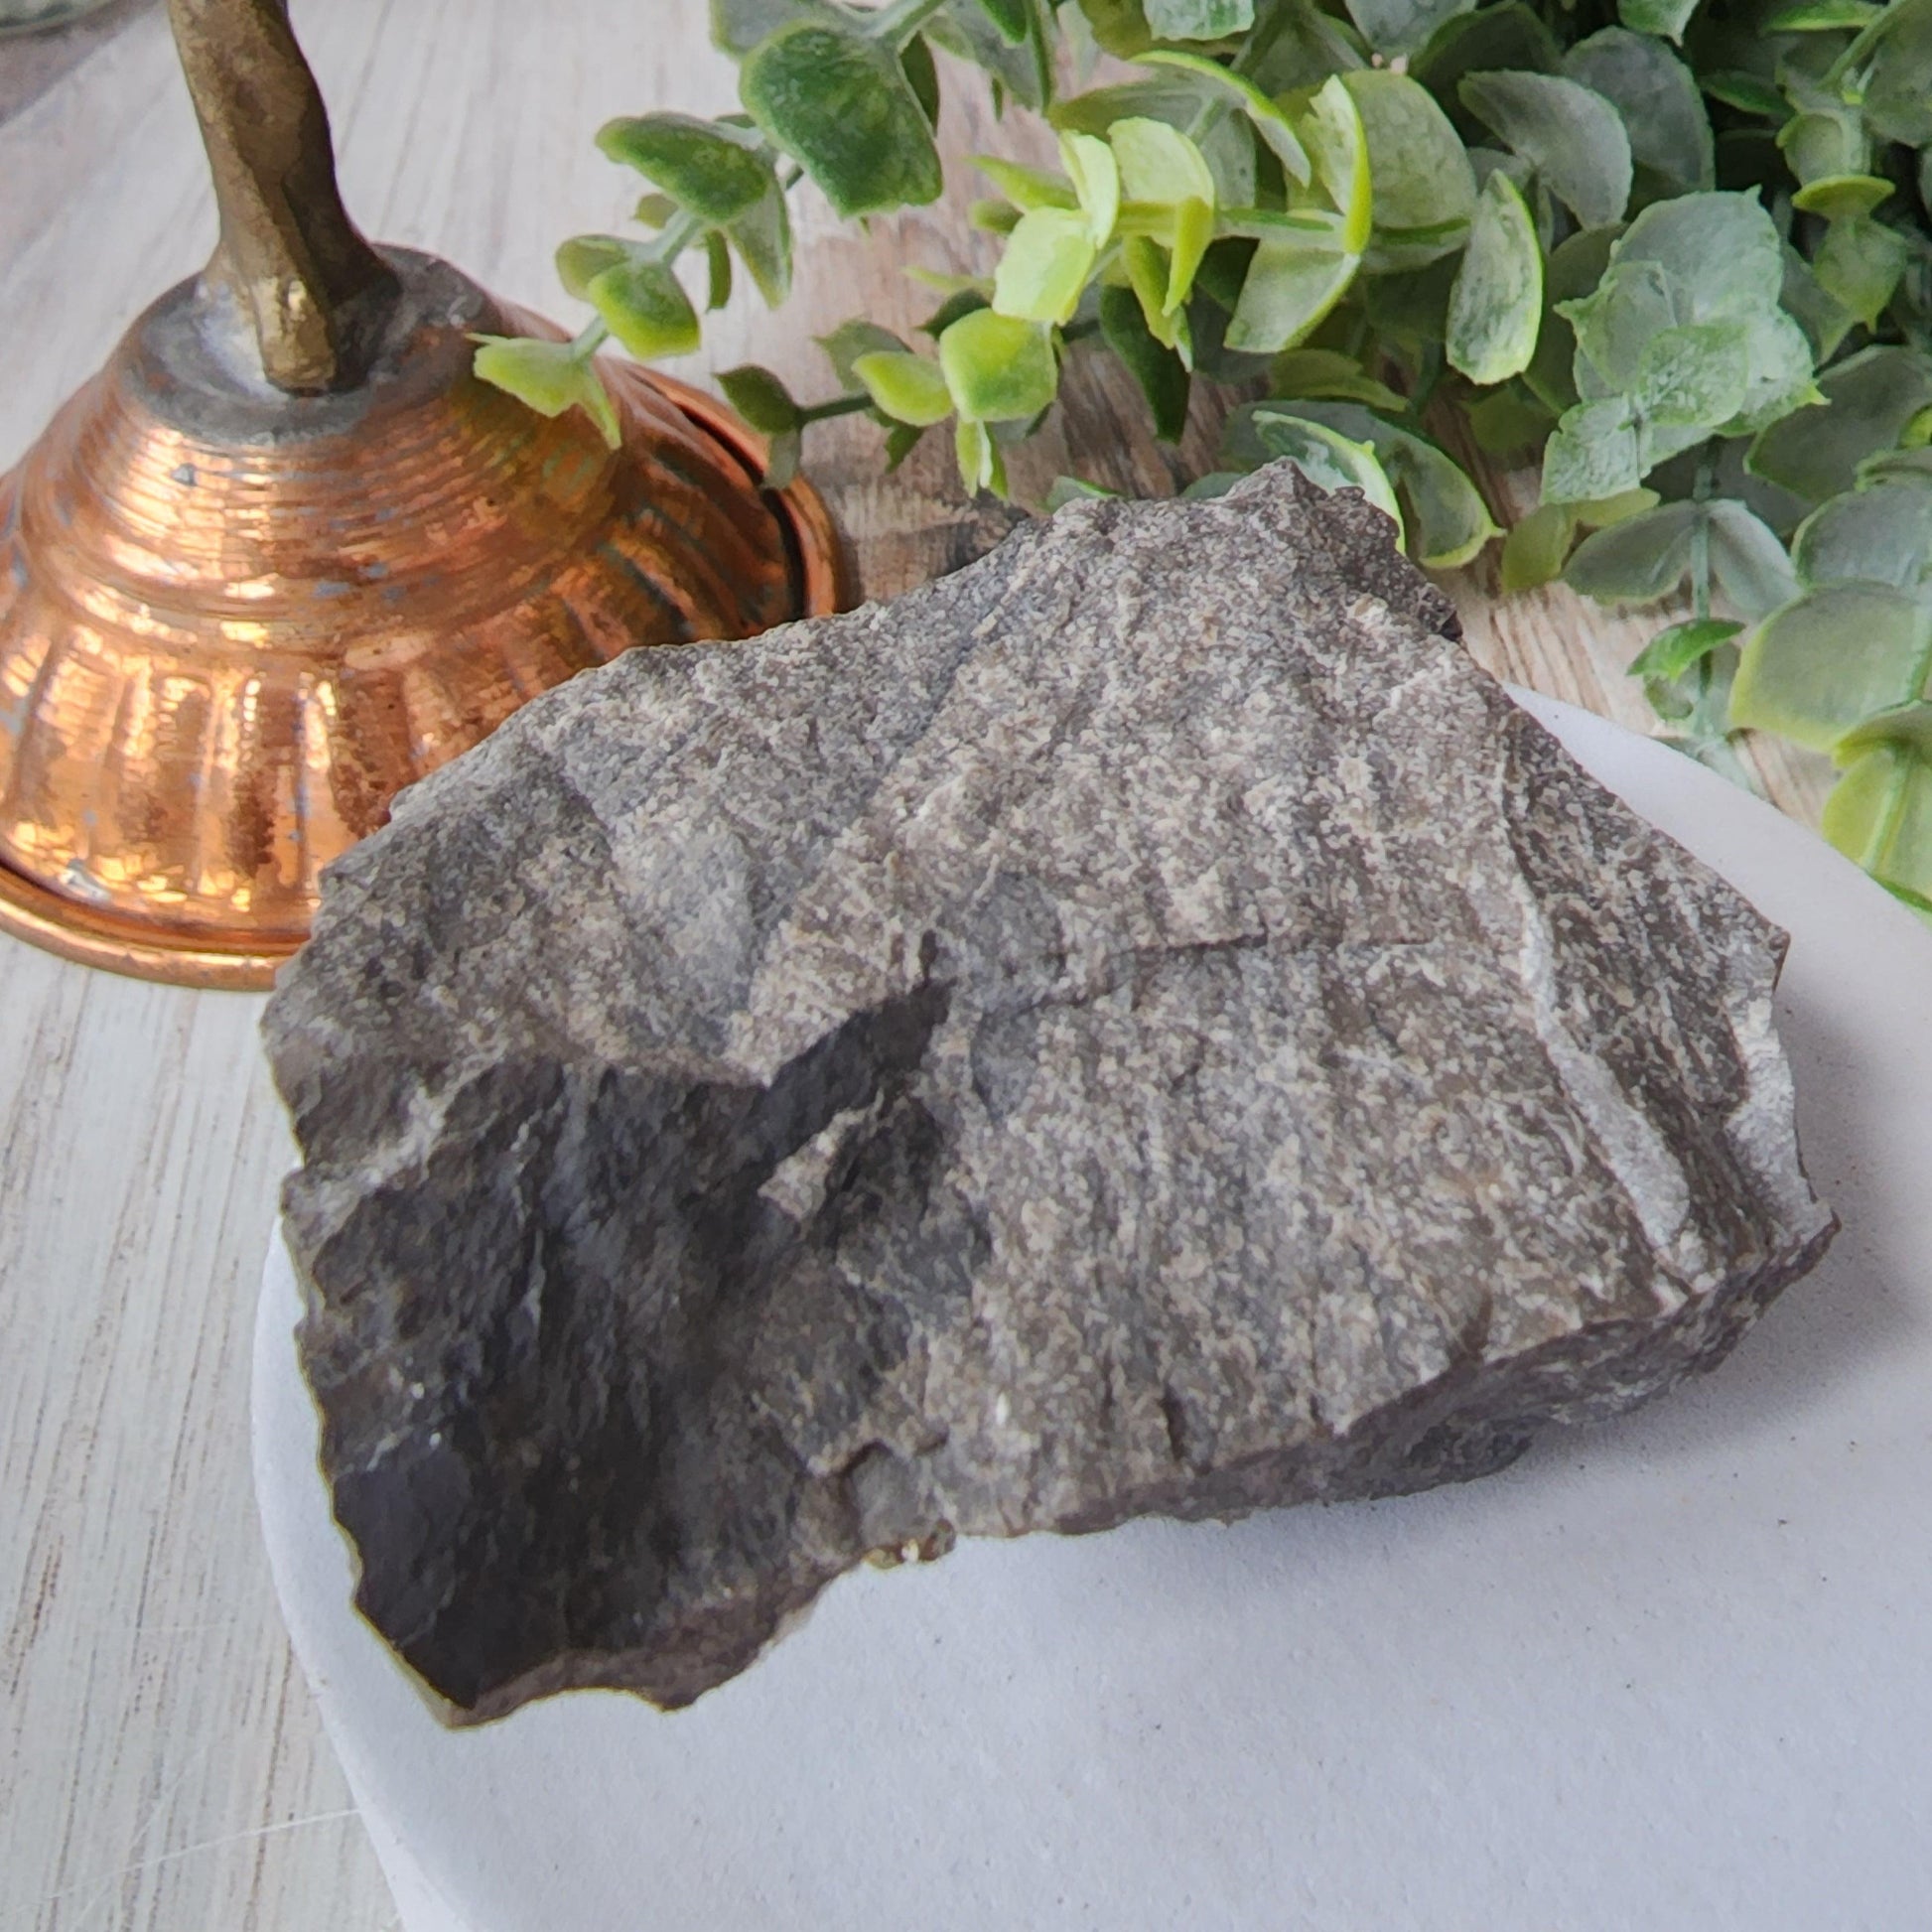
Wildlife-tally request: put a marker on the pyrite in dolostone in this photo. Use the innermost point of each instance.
(1141, 1025)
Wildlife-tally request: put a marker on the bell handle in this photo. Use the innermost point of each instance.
(312, 288)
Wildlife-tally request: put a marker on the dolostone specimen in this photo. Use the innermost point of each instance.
(1143, 1025)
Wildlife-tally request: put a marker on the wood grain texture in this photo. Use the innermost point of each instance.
(159, 1762)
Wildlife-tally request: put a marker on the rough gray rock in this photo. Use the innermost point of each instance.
(1143, 1025)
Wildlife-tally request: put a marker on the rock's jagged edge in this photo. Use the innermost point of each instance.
(967, 1067)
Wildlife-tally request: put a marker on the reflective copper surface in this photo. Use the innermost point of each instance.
(235, 623)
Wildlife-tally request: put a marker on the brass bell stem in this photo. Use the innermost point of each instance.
(312, 290)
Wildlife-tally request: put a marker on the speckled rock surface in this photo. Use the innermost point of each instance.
(1143, 1025)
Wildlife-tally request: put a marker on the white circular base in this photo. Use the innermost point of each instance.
(1675, 1671)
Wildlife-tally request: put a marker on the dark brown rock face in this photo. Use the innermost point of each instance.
(1143, 1025)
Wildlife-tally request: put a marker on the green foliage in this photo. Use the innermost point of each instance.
(1495, 308)
(840, 104)
(550, 377)
(1572, 138)
(714, 171)
(1679, 250)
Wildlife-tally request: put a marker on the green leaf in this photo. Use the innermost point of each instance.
(1508, 34)
(1747, 560)
(1022, 69)
(1301, 49)
(1045, 270)
(1290, 290)
(1683, 646)
(1216, 484)
(1160, 371)
(1823, 142)
(1417, 166)
(1627, 310)
(907, 388)
(1222, 271)
(901, 440)
(1118, 26)
(1337, 144)
(1510, 424)
(840, 105)
(921, 74)
(1076, 490)
(548, 377)
(1908, 466)
(1496, 307)
(1858, 265)
(1447, 521)
(1822, 16)
(1095, 174)
(1824, 318)
(1870, 397)
(1593, 452)
(852, 339)
(716, 173)
(762, 237)
(645, 308)
(1175, 97)
(1328, 374)
(1274, 126)
(1907, 724)
(999, 369)
(1666, 17)
(1012, 17)
(1780, 362)
(1404, 26)
(963, 295)
(1601, 512)
(1879, 815)
(1880, 535)
(1199, 20)
(782, 456)
(1159, 164)
(737, 26)
(761, 399)
(1534, 552)
(1820, 666)
(1897, 103)
(1570, 134)
(1641, 558)
(1193, 236)
(1149, 275)
(1694, 377)
(1408, 314)
(1663, 111)
(1719, 253)
(583, 258)
(1026, 188)
(1161, 167)
(981, 466)
(717, 263)
(1573, 269)
(1638, 560)
(1749, 93)
(1329, 460)
(1841, 197)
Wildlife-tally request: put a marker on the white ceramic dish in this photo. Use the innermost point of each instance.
(1672, 1673)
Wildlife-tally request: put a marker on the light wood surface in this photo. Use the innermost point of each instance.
(160, 1761)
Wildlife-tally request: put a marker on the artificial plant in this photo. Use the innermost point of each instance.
(1680, 251)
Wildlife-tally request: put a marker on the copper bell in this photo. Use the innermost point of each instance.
(285, 554)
